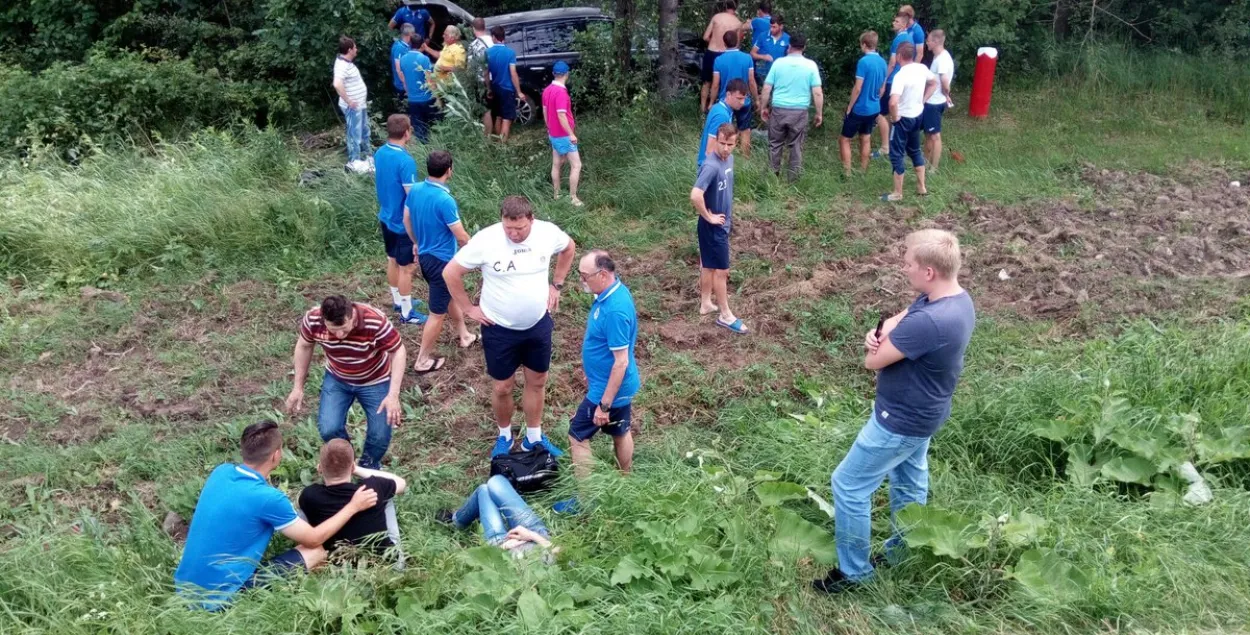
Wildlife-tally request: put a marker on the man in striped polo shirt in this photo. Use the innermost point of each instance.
(365, 360)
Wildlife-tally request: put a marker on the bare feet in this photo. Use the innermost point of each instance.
(707, 308)
(469, 339)
(577, 202)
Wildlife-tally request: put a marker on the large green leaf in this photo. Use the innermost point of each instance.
(629, 569)
(709, 571)
(1232, 444)
(797, 538)
(532, 609)
(773, 493)
(1045, 575)
(486, 557)
(1057, 429)
(1129, 469)
(1082, 469)
(942, 532)
(1024, 529)
(1154, 445)
(1113, 414)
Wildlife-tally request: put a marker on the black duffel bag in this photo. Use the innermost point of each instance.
(532, 471)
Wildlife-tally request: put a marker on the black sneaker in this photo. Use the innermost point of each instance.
(835, 582)
(445, 516)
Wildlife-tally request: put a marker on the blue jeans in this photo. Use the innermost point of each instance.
(357, 133)
(499, 508)
(876, 453)
(336, 399)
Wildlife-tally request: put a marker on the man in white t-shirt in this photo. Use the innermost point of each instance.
(477, 56)
(913, 85)
(514, 257)
(353, 101)
(943, 66)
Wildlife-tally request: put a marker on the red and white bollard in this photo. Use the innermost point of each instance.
(983, 82)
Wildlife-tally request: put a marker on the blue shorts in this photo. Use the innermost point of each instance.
(507, 349)
(931, 118)
(905, 141)
(853, 124)
(398, 246)
(503, 104)
(562, 145)
(432, 271)
(713, 246)
(706, 70)
(582, 426)
(276, 567)
(742, 117)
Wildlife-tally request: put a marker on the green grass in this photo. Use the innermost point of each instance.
(89, 475)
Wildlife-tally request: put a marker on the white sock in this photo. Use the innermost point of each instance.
(395, 295)
(533, 435)
(405, 305)
(506, 433)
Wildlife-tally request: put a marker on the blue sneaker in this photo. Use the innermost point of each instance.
(502, 446)
(568, 506)
(414, 317)
(527, 446)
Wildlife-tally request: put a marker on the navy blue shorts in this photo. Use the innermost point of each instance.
(931, 118)
(432, 271)
(507, 350)
(713, 246)
(398, 246)
(853, 124)
(905, 142)
(278, 566)
(742, 117)
(582, 426)
(709, 60)
(503, 104)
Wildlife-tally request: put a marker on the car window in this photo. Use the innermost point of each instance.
(552, 37)
(514, 37)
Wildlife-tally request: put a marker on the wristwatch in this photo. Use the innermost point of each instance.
(605, 405)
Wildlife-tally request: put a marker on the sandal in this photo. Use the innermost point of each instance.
(891, 198)
(737, 326)
(435, 366)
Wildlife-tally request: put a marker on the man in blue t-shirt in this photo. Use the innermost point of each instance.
(415, 68)
(612, 378)
(771, 46)
(722, 112)
(431, 221)
(398, 48)
(396, 173)
(713, 198)
(920, 355)
(761, 23)
(865, 105)
(503, 82)
(419, 18)
(237, 513)
(730, 65)
(883, 122)
(914, 30)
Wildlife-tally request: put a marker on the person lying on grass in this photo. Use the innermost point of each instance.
(376, 527)
(236, 515)
(507, 520)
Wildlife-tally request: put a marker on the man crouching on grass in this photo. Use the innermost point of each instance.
(920, 355)
(376, 527)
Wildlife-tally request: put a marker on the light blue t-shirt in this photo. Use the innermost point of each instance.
(793, 78)
(902, 37)
(734, 65)
(500, 59)
(759, 28)
(394, 169)
(719, 113)
(777, 48)
(397, 51)
(433, 212)
(611, 326)
(914, 393)
(871, 68)
(416, 67)
(235, 517)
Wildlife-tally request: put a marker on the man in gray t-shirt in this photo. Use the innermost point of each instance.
(920, 353)
(713, 198)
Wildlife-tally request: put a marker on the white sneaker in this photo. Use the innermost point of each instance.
(358, 166)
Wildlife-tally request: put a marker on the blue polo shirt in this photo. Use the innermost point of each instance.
(395, 169)
(235, 517)
(734, 65)
(433, 212)
(759, 28)
(416, 67)
(397, 51)
(902, 37)
(871, 68)
(719, 113)
(611, 326)
(500, 59)
(777, 48)
(917, 35)
(418, 18)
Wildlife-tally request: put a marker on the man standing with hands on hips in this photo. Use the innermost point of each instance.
(514, 257)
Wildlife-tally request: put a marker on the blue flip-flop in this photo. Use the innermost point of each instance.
(737, 326)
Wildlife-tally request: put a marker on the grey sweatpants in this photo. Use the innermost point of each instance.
(787, 127)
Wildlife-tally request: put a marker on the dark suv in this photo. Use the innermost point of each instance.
(542, 38)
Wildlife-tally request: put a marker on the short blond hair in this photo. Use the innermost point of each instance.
(337, 458)
(939, 36)
(936, 248)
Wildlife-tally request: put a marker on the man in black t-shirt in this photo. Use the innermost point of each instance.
(375, 526)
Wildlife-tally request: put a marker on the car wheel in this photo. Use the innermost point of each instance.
(526, 109)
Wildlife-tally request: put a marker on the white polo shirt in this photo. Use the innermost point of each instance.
(515, 276)
(909, 85)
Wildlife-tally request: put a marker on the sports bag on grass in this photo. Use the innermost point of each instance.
(531, 471)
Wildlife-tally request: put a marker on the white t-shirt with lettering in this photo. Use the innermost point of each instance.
(942, 65)
(909, 85)
(515, 276)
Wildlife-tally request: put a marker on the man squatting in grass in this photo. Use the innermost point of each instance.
(913, 86)
(721, 113)
(396, 173)
(723, 22)
(712, 197)
(864, 108)
(376, 528)
(920, 355)
(502, 84)
(432, 223)
(236, 515)
(365, 360)
(943, 67)
(562, 132)
(734, 64)
(514, 256)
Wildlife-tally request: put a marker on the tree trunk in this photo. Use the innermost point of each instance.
(626, 14)
(668, 49)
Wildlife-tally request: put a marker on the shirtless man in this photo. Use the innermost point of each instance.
(725, 20)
